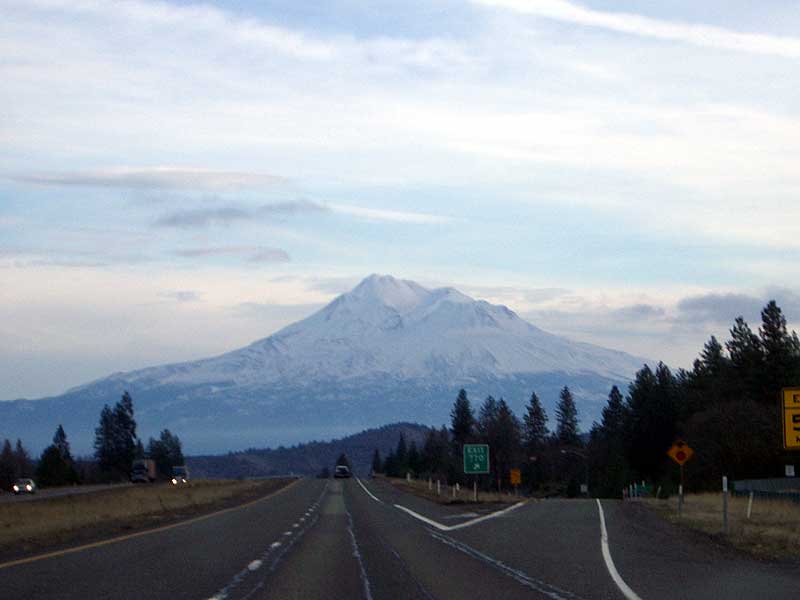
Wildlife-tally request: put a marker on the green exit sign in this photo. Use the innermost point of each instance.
(476, 459)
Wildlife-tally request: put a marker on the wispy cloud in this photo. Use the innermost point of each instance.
(153, 178)
(253, 254)
(389, 216)
(225, 215)
(691, 33)
(182, 295)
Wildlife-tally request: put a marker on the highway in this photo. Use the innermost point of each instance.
(44, 493)
(365, 539)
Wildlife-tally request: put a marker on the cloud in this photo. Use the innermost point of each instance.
(638, 311)
(725, 307)
(182, 295)
(225, 215)
(690, 33)
(389, 216)
(153, 178)
(253, 254)
(719, 308)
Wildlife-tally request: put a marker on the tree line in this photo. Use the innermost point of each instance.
(116, 447)
(726, 407)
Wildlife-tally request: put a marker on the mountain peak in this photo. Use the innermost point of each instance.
(399, 294)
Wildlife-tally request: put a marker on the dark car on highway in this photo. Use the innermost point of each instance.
(24, 486)
(342, 472)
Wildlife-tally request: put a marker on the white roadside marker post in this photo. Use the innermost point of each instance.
(438, 488)
(725, 504)
(750, 505)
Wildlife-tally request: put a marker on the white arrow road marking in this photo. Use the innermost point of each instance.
(469, 523)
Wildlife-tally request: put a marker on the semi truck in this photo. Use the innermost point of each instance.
(143, 471)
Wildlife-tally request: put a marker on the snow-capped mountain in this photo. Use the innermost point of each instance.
(388, 350)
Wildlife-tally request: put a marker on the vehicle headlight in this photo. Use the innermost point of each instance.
(28, 487)
(183, 480)
(16, 488)
(174, 481)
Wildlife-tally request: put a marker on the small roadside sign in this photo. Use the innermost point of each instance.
(516, 477)
(790, 416)
(789, 470)
(680, 452)
(476, 459)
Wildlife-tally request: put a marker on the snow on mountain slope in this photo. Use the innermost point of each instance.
(389, 350)
(399, 328)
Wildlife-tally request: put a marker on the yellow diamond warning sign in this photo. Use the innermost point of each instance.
(680, 452)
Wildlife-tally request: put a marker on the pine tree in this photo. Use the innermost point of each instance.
(487, 420)
(125, 433)
(535, 421)
(166, 452)
(401, 457)
(781, 351)
(507, 446)
(747, 359)
(343, 461)
(613, 413)
(61, 443)
(377, 465)
(7, 466)
(462, 421)
(56, 466)
(24, 466)
(413, 458)
(104, 447)
(567, 419)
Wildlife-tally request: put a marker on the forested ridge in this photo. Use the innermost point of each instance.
(726, 407)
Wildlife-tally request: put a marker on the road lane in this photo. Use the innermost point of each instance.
(429, 563)
(193, 562)
(46, 493)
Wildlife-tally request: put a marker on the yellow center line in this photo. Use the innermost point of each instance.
(122, 538)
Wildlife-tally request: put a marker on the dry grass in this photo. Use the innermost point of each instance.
(773, 530)
(419, 487)
(56, 520)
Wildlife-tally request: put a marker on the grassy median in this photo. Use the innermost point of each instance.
(37, 524)
(773, 530)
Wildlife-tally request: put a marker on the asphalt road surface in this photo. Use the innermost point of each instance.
(364, 539)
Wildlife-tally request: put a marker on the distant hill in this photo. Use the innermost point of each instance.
(307, 459)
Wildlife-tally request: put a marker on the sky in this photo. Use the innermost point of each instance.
(179, 179)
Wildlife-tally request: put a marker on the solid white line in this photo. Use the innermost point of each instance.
(441, 527)
(612, 570)
(370, 494)
(255, 565)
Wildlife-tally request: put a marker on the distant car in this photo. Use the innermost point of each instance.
(24, 486)
(342, 472)
(180, 475)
